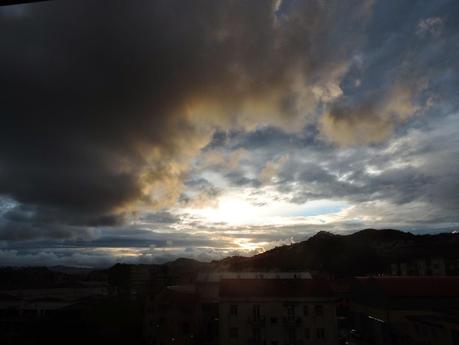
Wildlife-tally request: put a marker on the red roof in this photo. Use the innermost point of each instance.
(240, 288)
(414, 286)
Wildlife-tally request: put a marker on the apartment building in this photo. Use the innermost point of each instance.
(208, 283)
(277, 312)
(406, 310)
(244, 308)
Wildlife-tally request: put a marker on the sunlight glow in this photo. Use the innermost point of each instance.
(244, 208)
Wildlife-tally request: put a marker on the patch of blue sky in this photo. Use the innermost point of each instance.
(312, 209)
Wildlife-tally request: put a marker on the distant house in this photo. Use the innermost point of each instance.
(426, 267)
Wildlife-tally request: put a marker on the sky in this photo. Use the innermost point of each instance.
(145, 131)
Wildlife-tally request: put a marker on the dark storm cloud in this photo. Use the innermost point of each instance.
(158, 218)
(269, 136)
(104, 103)
(25, 222)
(120, 238)
(108, 246)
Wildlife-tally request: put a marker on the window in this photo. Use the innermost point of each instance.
(256, 334)
(425, 330)
(185, 328)
(211, 330)
(291, 335)
(307, 333)
(455, 336)
(234, 333)
(291, 311)
(320, 332)
(256, 311)
(185, 309)
(318, 310)
(306, 310)
(233, 310)
(210, 308)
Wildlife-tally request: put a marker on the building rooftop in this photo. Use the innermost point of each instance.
(215, 277)
(413, 286)
(436, 320)
(240, 288)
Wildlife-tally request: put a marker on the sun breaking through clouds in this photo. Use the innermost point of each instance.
(145, 130)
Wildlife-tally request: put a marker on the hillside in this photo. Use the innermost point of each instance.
(363, 252)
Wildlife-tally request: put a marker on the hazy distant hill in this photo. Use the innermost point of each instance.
(72, 270)
(37, 278)
(366, 251)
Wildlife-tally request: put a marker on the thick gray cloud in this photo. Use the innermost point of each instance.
(103, 104)
(116, 114)
(399, 72)
(419, 165)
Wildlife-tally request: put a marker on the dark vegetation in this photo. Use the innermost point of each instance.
(364, 252)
